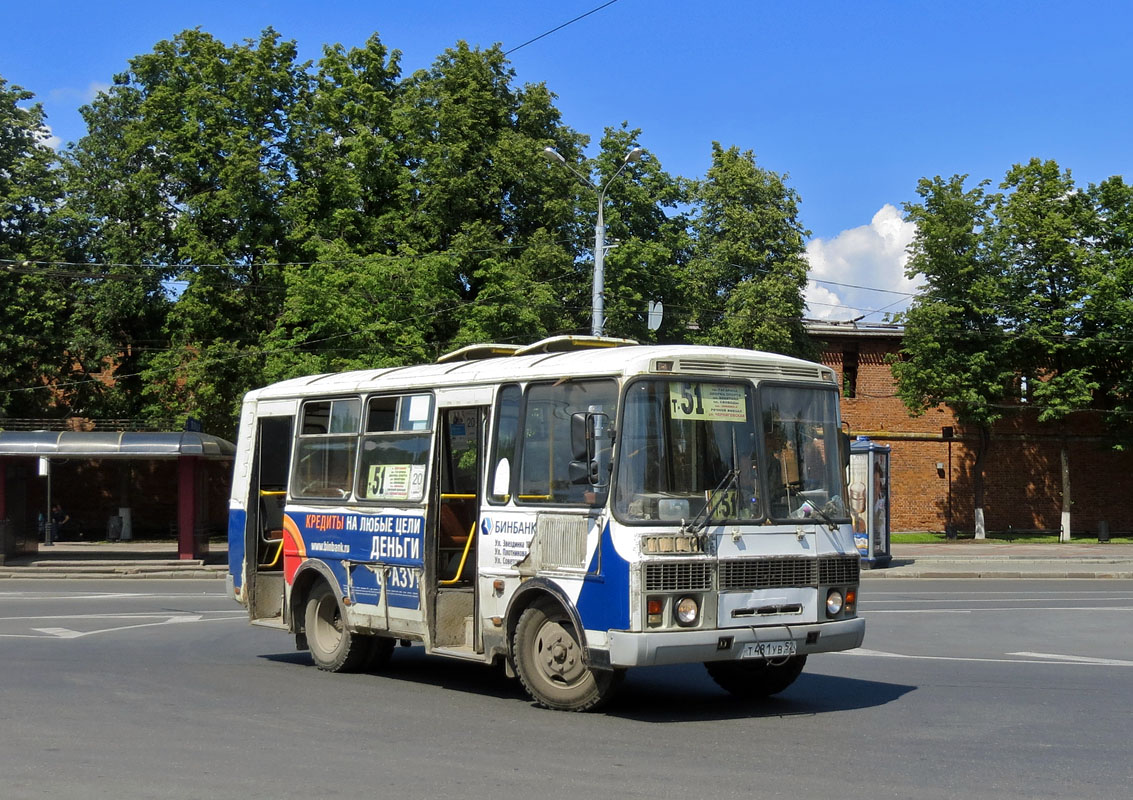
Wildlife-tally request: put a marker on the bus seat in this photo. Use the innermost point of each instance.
(454, 530)
(271, 519)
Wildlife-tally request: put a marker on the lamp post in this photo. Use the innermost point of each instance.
(597, 298)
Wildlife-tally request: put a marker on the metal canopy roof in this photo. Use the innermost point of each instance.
(98, 444)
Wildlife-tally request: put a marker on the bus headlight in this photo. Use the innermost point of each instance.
(687, 611)
(834, 601)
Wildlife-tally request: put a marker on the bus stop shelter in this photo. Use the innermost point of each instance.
(186, 464)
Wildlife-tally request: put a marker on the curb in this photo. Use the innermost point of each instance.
(882, 574)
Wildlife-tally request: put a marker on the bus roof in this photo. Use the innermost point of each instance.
(529, 363)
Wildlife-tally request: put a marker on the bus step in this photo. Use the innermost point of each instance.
(276, 623)
(459, 651)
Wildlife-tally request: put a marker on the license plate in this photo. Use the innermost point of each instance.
(769, 649)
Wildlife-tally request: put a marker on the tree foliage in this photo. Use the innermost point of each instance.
(233, 216)
(1109, 308)
(1024, 304)
(955, 348)
(748, 268)
(33, 307)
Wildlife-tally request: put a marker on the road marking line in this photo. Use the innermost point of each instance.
(122, 615)
(67, 633)
(974, 610)
(1070, 660)
(1112, 662)
(1045, 599)
(60, 633)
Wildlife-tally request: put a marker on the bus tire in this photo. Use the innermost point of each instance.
(752, 680)
(333, 647)
(550, 662)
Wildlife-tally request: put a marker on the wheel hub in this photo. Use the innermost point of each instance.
(560, 656)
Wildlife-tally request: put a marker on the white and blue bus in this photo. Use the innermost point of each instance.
(571, 509)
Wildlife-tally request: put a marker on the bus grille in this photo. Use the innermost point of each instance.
(778, 573)
(839, 569)
(767, 573)
(678, 576)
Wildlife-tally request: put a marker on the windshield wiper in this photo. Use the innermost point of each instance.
(816, 509)
(697, 525)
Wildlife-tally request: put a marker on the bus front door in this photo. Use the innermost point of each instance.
(267, 492)
(454, 619)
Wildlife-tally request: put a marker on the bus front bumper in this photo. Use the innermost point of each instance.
(686, 646)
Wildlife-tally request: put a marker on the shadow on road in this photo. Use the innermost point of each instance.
(410, 664)
(685, 693)
(682, 693)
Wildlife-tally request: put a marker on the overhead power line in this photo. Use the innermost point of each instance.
(559, 27)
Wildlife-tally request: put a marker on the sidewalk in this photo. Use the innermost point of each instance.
(993, 559)
(963, 559)
(130, 559)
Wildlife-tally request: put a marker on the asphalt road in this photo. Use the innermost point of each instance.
(964, 689)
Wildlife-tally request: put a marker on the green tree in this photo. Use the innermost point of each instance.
(478, 191)
(185, 163)
(349, 165)
(1043, 238)
(748, 267)
(441, 175)
(955, 351)
(1110, 307)
(34, 306)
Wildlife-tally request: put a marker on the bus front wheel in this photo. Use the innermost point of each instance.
(549, 661)
(333, 647)
(754, 679)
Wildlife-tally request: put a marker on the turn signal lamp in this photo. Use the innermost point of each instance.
(654, 607)
(851, 600)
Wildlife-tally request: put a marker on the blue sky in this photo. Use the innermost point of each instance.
(855, 101)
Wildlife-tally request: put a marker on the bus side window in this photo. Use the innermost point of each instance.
(504, 443)
(324, 453)
(392, 466)
(545, 475)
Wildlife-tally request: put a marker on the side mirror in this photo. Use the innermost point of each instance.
(590, 448)
(844, 448)
(580, 436)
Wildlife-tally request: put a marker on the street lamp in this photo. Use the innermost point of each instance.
(597, 312)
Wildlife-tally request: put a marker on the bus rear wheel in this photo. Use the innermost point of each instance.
(751, 680)
(333, 647)
(549, 660)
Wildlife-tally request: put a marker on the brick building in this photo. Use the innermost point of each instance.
(1023, 483)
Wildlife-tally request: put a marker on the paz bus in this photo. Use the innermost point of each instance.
(571, 508)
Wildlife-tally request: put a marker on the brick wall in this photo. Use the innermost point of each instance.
(1023, 484)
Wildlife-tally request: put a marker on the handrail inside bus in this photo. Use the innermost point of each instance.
(463, 558)
(274, 561)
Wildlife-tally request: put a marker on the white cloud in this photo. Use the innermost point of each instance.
(871, 256)
(84, 96)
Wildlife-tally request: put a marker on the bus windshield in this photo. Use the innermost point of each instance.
(679, 440)
(804, 471)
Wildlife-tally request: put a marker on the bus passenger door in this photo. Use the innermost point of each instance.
(460, 461)
(267, 493)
